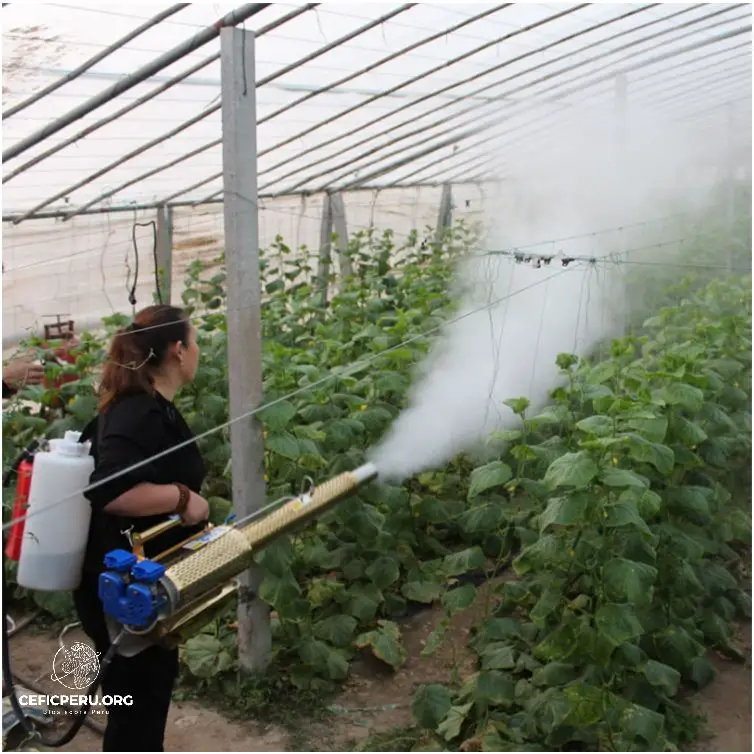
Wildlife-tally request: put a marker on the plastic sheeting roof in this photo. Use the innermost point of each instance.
(490, 77)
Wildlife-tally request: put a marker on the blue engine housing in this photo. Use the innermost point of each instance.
(128, 589)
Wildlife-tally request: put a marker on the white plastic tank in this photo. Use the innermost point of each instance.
(55, 533)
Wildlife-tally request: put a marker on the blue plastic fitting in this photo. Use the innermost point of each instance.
(148, 572)
(120, 561)
(129, 603)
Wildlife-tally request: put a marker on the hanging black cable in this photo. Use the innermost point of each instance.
(132, 290)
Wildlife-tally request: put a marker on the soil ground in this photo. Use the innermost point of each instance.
(378, 701)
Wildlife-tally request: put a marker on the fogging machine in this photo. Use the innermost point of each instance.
(173, 595)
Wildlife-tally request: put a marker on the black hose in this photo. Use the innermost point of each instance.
(22, 624)
(71, 733)
(7, 673)
(96, 727)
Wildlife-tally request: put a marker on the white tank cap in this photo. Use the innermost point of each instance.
(70, 445)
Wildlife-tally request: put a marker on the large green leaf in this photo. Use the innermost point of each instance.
(640, 722)
(277, 417)
(421, 591)
(663, 677)
(498, 629)
(564, 511)
(625, 513)
(587, 705)
(599, 425)
(617, 623)
(653, 428)
(488, 476)
(571, 470)
(499, 656)
(385, 643)
(647, 502)
(430, 705)
(659, 456)
(683, 395)
(276, 557)
(628, 581)
(702, 672)
(495, 687)
(206, 656)
(559, 644)
(435, 511)
(84, 407)
(459, 599)
(278, 590)
(450, 728)
(362, 603)
(485, 518)
(555, 674)
(384, 571)
(546, 605)
(323, 658)
(690, 501)
(464, 561)
(284, 444)
(622, 478)
(548, 551)
(337, 629)
(688, 432)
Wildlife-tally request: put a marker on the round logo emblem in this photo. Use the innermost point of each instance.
(75, 667)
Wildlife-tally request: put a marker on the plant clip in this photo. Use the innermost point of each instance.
(567, 260)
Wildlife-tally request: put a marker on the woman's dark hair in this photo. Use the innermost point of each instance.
(137, 350)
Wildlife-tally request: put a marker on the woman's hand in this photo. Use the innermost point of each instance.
(196, 511)
(21, 372)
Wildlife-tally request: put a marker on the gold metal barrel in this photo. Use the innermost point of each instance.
(219, 561)
(290, 515)
(205, 569)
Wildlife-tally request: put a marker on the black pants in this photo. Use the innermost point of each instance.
(147, 677)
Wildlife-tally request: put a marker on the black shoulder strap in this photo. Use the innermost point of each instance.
(88, 432)
(92, 432)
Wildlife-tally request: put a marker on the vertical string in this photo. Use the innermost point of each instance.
(539, 336)
(499, 261)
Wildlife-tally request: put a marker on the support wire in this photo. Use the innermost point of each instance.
(85, 66)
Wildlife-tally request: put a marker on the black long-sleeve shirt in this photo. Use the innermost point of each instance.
(134, 429)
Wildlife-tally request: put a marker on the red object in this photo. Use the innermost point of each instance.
(65, 353)
(13, 548)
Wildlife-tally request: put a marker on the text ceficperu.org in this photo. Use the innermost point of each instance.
(75, 700)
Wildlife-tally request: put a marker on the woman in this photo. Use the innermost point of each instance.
(148, 363)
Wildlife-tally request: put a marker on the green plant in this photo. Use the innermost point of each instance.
(340, 584)
(625, 576)
(620, 498)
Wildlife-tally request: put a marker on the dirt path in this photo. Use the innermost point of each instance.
(376, 700)
(726, 702)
